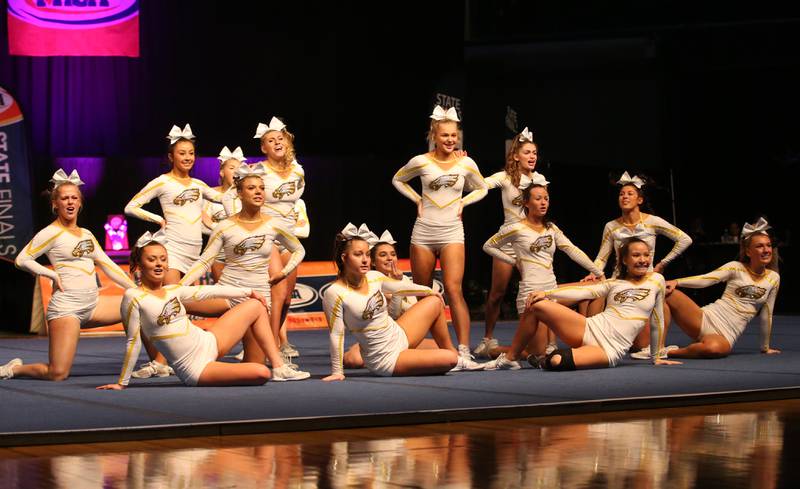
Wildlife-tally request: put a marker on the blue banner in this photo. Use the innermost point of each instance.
(16, 217)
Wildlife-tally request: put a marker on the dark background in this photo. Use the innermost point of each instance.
(703, 99)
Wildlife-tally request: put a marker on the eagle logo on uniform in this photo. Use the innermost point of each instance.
(171, 310)
(444, 181)
(83, 248)
(250, 243)
(188, 195)
(751, 292)
(632, 295)
(219, 216)
(541, 243)
(285, 189)
(374, 304)
(517, 200)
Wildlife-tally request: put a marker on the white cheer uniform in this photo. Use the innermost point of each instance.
(247, 253)
(216, 211)
(182, 205)
(187, 348)
(533, 255)
(745, 297)
(511, 196)
(398, 304)
(628, 307)
(280, 194)
(366, 316)
(441, 197)
(73, 257)
(302, 226)
(615, 234)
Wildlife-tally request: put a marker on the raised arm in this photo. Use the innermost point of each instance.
(111, 269)
(606, 247)
(721, 274)
(576, 254)
(574, 293)
(403, 288)
(332, 304)
(208, 256)
(681, 239)
(493, 246)
(475, 181)
(39, 245)
(134, 207)
(400, 179)
(287, 239)
(765, 319)
(200, 292)
(495, 180)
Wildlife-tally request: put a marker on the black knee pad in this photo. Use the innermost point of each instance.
(567, 362)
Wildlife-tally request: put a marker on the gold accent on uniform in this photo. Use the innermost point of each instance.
(751, 292)
(188, 195)
(633, 295)
(171, 309)
(517, 200)
(541, 243)
(250, 243)
(374, 304)
(83, 248)
(445, 181)
(287, 188)
(219, 216)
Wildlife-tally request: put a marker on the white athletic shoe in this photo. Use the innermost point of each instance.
(502, 363)
(153, 369)
(289, 350)
(485, 347)
(6, 371)
(285, 372)
(644, 353)
(466, 361)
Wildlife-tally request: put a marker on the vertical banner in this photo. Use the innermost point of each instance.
(16, 218)
(73, 27)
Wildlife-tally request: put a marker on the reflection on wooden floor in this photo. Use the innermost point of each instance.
(739, 445)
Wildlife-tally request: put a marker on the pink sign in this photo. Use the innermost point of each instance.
(73, 27)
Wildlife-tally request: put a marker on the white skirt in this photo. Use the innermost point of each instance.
(203, 353)
(525, 289)
(182, 256)
(720, 318)
(437, 234)
(383, 361)
(79, 303)
(600, 332)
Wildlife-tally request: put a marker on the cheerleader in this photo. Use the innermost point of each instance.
(634, 223)
(74, 252)
(356, 302)
(601, 340)
(533, 241)
(438, 230)
(181, 198)
(213, 212)
(284, 183)
(520, 162)
(751, 288)
(156, 310)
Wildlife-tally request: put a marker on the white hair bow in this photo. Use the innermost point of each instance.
(760, 227)
(175, 134)
(637, 231)
(275, 124)
(249, 171)
(439, 114)
(535, 179)
(626, 179)
(226, 154)
(362, 232)
(526, 136)
(157, 237)
(386, 237)
(60, 177)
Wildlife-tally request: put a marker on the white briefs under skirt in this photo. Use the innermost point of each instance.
(383, 361)
(435, 235)
(193, 364)
(525, 288)
(79, 303)
(721, 319)
(600, 332)
(182, 256)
